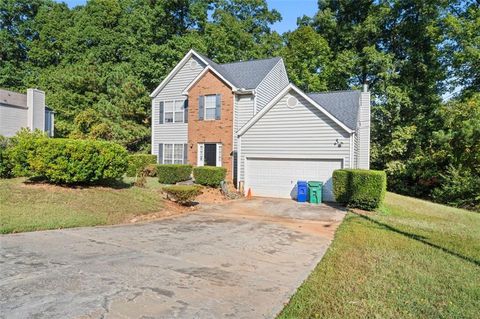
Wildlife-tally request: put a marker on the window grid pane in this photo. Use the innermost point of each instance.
(168, 106)
(210, 106)
(210, 114)
(178, 154)
(168, 154)
(168, 117)
(178, 117)
(174, 111)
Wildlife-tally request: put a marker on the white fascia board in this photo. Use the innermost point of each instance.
(289, 87)
(199, 76)
(175, 70)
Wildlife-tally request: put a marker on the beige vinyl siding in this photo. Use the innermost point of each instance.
(173, 132)
(168, 132)
(363, 132)
(275, 81)
(302, 132)
(12, 118)
(244, 105)
(174, 88)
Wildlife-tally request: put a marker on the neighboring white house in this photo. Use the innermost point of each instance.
(24, 111)
(248, 118)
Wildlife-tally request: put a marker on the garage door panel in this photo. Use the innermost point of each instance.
(278, 177)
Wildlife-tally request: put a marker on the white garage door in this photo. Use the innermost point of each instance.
(278, 177)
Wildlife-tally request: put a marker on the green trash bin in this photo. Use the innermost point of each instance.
(315, 192)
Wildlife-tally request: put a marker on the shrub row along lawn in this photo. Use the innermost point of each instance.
(38, 207)
(414, 259)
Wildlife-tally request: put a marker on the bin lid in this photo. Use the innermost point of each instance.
(302, 183)
(315, 183)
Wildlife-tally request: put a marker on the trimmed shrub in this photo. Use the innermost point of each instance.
(364, 189)
(173, 173)
(137, 162)
(183, 194)
(5, 164)
(20, 149)
(209, 175)
(68, 161)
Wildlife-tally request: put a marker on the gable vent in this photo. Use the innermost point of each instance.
(292, 101)
(193, 64)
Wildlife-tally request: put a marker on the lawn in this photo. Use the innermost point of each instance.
(414, 259)
(27, 207)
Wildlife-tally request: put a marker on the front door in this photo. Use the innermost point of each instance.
(210, 155)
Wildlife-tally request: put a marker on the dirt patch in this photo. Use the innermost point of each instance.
(325, 228)
(170, 209)
(211, 196)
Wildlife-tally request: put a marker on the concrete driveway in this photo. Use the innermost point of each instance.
(241, 259)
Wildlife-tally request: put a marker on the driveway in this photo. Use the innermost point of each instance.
(241, 259)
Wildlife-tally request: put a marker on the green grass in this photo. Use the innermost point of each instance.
(414, 259)
(26, 207)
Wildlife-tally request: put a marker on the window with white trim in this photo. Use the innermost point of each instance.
(210, 106)
(174, 111)
(173, 153)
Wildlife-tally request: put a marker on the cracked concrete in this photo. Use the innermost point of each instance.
(241, 259)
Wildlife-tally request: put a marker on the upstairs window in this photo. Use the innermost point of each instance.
(210, 106)
(174, 111)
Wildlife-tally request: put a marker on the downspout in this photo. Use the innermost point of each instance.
(352, 160)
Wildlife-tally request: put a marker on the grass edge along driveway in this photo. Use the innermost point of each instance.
(413, 259)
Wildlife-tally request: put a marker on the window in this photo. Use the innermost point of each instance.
(168, 153)
(210, 106)
(174, 111)
(173, 153)
(169, 105)
(49, 122)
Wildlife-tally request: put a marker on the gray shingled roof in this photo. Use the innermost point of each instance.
(244, 74)
(343, 105)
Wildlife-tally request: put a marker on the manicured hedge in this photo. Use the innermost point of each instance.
(138, 162)
(209, 175)
(68, 161)
(183, 194)
(5, 164)
(173, 173)
(359, 188)
(18, 150)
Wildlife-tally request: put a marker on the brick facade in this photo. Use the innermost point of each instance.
(211, 131)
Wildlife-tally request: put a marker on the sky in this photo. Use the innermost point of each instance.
(289, 9)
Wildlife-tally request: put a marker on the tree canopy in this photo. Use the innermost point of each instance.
(98, 62)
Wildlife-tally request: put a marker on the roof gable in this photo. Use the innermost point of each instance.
(272, 103)
(175, 70)
(240, 75)
(244, 74)
(343, 105)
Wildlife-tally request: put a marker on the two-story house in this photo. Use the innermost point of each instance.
(248, 118)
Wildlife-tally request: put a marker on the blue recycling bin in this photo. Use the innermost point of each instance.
(302, 191)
